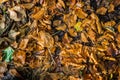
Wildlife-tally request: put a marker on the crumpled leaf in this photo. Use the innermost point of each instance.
(8, 54)
(17, 13)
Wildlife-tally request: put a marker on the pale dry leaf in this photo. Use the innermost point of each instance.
(13, 15)
(13, 34)
(15, 11)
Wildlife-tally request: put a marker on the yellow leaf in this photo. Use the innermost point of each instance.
(78, 26)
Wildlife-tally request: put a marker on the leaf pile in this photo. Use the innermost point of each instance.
(59, 39)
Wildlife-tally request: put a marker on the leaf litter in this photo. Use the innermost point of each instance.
(59, 39)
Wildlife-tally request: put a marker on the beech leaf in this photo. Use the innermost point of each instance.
(7, 54)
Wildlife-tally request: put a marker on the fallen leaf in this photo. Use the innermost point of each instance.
(78, 27)
(13, 34)
(17, 13)
(80, 13)
(19, 57)
(8, 54)
(101, 10)
(23, 44)
(39, 14)
(2, 1)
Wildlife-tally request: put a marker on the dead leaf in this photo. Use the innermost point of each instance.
(27, 6)
(80, 13)
(118, 28)
(39, 14)
(13, 34)
(20, 57)
(2, 1)
(83, 37)
(111, 8)
(101, 10)
(17, 13)
(23, 44)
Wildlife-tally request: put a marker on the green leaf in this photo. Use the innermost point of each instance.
(78, 27)
(8, 54)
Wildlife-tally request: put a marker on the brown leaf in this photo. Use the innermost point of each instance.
(66, 39)
(2, 1)
(39, 14)
(23, 44)
(101, 10)
(80, 13)
(28, 5)
(20, 57)
(83, 37)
